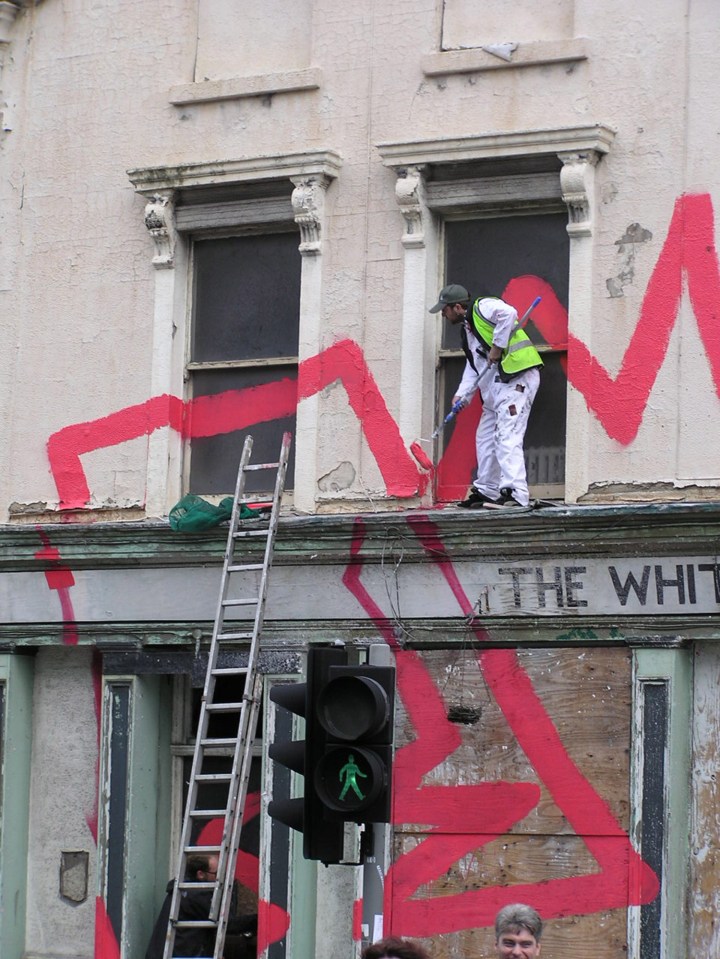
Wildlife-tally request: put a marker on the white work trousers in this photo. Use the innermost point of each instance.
(501, 433)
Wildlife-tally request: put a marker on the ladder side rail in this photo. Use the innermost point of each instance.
(270, 545)
(203, 721)
(237, 824)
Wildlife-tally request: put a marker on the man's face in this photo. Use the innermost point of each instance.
(517, 945)
(454, 312)
(211, 873)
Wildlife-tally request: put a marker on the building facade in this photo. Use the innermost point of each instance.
(221, 219)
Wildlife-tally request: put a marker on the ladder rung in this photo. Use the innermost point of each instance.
(230, 671)
(244, 567)
(213, 777)
(261, 466)
(217, 742)
(195, 923)
(252, 601)
(222, 637)
(200, 850)
(223, 707)
(243, 533)
(207, 813)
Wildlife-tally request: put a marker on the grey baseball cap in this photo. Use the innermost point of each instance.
(454, 293)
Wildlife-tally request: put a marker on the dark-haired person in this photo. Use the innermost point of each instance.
(195, 906)
(503, 364)
(395, 948)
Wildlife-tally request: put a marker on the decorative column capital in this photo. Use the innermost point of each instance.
(576, 178)
(160, 221)
(308, 202)
(410, 195)
(8, 12)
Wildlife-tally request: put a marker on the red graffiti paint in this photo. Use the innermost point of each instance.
(487, 810)
(273, 921)
(240, 409)
(60, 578)
(689, 251)
(618, 403)
(106, 944)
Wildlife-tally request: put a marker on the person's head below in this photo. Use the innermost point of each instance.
(518, 929)
(201, 868)
(395, 948)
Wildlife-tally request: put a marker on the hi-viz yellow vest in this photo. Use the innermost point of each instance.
(519, 354)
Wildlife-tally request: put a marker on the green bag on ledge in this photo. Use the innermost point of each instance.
(193, 514)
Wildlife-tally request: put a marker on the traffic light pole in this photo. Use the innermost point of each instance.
(376, 855)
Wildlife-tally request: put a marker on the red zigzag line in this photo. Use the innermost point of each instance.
(240, 409)
(689, 248)
(619, 403)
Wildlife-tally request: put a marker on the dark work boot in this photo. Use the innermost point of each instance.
(507, 500)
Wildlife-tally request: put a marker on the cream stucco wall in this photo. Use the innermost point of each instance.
(87, 96)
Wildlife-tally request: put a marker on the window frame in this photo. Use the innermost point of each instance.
(489, 171)
(545, 205)
(281, 223)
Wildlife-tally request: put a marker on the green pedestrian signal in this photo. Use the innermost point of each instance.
(353, 776)
(349, 774)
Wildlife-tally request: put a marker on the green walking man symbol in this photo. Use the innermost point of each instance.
(349, 772)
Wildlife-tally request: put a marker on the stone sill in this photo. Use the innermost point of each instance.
(211, 91)
(533, 54)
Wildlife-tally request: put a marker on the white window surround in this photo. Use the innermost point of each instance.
(310, 174)
(422, 202)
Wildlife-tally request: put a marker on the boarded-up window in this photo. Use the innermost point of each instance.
(524, 797)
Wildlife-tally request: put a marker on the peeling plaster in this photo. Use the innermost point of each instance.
(626, 248)
(340, 478)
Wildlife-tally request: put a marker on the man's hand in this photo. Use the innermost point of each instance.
(494, 354)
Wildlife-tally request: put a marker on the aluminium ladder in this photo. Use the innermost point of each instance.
(226, 637)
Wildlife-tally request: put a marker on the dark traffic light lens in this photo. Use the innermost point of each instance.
(353, 707)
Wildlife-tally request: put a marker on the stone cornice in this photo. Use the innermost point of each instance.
(597, 137)
(638, 529)
(157, 179)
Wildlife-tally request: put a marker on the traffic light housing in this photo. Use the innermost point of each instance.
(346, 756)
(353, 777)
(321, 840)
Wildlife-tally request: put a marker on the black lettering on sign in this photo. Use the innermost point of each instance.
(623, 589)
(516, 573)
(555, 585)
(572, 584)
(713, 568)
(661, 583)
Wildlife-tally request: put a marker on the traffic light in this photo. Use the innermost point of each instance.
(346, 756)
(321, 840)
(353, 775)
